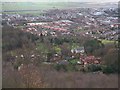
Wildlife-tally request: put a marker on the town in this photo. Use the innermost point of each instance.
(66, 39)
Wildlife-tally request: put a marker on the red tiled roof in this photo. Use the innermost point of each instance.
(91, 59)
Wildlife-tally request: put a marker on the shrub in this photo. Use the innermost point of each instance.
(94, 68)
(71, 67)
(73, 61)
(107, 69)
(63, 67)
(58, 66)
(111, 61)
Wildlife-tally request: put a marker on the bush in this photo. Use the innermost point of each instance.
(107, 69)
(111, 61)
(92, 45)
(94, 68)
(71, 67)
(63, 67)
(73, 62)
(58, 67)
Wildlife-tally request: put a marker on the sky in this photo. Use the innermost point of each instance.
(60, 1)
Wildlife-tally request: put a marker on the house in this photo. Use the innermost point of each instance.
(90, 60)
(78, 50)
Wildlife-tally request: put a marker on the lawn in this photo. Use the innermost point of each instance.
(108, 41)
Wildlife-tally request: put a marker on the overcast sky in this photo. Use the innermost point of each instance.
(59, 0)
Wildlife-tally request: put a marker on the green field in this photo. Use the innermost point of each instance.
(13, 7)
(37, 6)
(31, 6)
(17, 7)
(108, 41)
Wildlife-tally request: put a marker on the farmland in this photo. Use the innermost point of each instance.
(30, 7)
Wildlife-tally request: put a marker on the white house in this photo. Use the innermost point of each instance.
(78, 50)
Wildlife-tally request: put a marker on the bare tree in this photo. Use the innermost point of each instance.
(31, 76)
